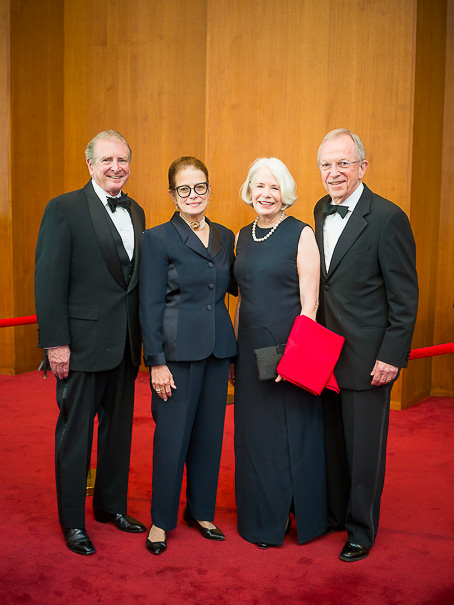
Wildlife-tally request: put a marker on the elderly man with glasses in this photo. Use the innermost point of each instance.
(369, 295)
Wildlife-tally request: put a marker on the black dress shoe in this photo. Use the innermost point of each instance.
(354, 552)
(78, 541)
(209, 534)
(156, 548)
(122, 522)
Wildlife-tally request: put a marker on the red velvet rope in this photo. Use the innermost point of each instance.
(414, 353)
(18, 321)
(431, 351)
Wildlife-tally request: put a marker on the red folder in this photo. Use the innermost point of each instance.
(309, 358)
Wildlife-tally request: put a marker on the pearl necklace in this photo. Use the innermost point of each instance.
(270, 233)
(195, 225)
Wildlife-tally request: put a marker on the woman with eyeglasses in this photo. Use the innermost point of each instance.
(188, 341)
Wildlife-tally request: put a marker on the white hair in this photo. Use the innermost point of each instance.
(280, 171)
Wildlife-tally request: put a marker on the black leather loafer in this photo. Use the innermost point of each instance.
(121, 522)
(209, 534)
(354, 552)
(77, 541)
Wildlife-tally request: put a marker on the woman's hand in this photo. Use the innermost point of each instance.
(162, 381)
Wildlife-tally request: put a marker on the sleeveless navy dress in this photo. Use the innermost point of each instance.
(279, 446)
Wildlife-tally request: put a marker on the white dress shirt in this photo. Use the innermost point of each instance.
(120, 218)
(334, 224)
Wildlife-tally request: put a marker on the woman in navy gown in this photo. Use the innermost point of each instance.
(279, 447)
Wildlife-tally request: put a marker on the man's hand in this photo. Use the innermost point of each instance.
(59, 360)
(383, 373)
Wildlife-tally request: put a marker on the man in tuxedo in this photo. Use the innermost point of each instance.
(86, 294)
(369, 295)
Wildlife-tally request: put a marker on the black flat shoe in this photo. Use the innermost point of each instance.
(354, 552)
(121, 522)
(77, 541)
(264, 545)
(156, 548)
(209, 534)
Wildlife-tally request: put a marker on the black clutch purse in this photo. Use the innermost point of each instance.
(267, 361)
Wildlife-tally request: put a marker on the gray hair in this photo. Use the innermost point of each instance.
(105, 135)
(280, 171)
(338, 132)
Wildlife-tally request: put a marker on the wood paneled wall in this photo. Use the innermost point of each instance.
(443, 366)
(228, 81)
(6, 267)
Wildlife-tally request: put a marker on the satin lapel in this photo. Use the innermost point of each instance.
(106, 242)
(188, 237)
(319, 216)
(138, 233)
(215, 244)
(356, 224)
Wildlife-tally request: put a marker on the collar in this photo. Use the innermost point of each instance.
(103, 195)
(353, 198)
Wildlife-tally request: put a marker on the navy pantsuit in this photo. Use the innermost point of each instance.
(186, 325)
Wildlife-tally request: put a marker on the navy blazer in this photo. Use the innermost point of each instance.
(182, 293)
(370, 293)
(81, 295)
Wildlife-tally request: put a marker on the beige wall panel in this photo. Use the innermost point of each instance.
(6, 267)
(139, 68)
(443, 366)
(282, 74)
(36, 147)
(426, 179)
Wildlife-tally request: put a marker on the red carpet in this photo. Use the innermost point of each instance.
(412, 562)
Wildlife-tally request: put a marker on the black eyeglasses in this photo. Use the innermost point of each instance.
(185, 191)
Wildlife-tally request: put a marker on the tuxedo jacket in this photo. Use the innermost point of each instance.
(83, 296)
(182, 293)
(370, 293)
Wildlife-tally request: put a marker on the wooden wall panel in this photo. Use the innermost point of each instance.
(282, 74)
(443, 366)
(426, 180)
(138, 68)
(6, 267)
(36, 147)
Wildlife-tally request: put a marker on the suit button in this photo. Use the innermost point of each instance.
(326, 288)
(209, 307)
(210, 264)
(210, 286)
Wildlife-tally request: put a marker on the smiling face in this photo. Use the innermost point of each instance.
(266, 195)
(192, 207)
(340, 184)
(111, 167)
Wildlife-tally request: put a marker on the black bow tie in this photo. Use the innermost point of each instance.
(332, 208)
(123, 201)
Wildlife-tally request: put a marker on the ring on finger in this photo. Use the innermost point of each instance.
(158, 390)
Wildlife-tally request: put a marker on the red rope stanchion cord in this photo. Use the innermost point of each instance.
(18, 321)
(414, 353)
(431, 351)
